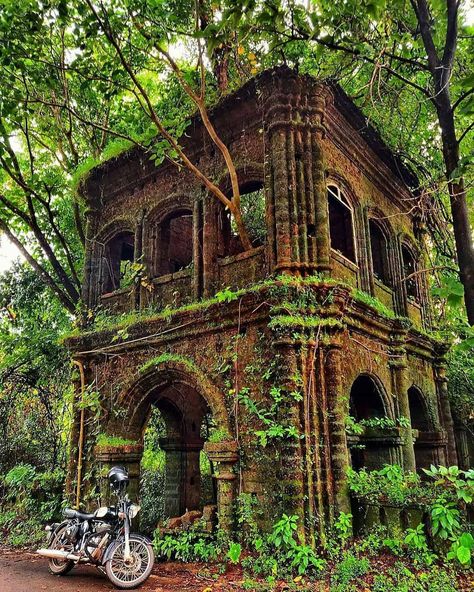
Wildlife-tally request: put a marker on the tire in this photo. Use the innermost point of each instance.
(128, 577)
(59, 567)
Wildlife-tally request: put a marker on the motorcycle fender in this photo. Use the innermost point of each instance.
(108, 552)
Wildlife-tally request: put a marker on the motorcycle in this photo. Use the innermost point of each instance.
(103, 539)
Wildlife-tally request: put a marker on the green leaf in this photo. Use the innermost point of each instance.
(467, 540)
(464, 555)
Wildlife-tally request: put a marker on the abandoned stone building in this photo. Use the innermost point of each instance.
(326, 318)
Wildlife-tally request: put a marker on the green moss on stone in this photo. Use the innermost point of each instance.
(163, 359)
(106, 440)
(304, 321)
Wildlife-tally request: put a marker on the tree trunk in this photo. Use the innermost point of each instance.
(457, 195)
(243, 234)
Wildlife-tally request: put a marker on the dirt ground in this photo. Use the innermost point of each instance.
(25, 572)
(22, 571)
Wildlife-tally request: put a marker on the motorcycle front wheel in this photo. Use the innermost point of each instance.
(130, 574)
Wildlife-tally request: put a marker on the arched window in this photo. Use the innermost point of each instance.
(340, 223)
(366, 403)
(379, 251)
(119, 255)
(252, 205)
(175, 248)
(425, 454)
(365, 400)
(409, 272)
(418, 412)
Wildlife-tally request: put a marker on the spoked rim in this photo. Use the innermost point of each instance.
(128, 572)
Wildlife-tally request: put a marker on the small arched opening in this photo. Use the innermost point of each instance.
(117, 262)
(172, 412)
(341, 228)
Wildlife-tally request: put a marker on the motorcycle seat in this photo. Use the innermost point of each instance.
(70, 513)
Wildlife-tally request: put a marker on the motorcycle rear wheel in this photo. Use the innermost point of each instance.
(130, 575)
(59, 567)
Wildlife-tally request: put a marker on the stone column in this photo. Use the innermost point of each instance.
(293, 108)
(128, 456)
(439, 368)
(421, 234)
(398, 367)
(292, 474)
(224, 456)
(138, 257)
(399, 289)
(173, 494)
(367, 281)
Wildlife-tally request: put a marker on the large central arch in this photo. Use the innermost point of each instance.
(184, 396)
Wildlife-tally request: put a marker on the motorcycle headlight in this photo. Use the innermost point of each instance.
(133, 510)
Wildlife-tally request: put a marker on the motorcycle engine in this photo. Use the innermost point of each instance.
(70, 533)
(95, 542)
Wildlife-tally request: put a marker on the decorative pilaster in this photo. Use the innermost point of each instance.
(399, 290)
(441, 381)
(293, 109)
(367, 281)
(197, 247)
(92, 262)
(398, 367)
(210, 245)
(337, 413)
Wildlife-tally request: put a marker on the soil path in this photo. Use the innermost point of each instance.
(25, 572)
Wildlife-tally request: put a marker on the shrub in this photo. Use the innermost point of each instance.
(191, 544)
(350, 568)
(30, 499)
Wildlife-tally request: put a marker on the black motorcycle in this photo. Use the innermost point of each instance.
(103, 539)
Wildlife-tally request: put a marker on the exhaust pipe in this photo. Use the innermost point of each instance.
(56, 554)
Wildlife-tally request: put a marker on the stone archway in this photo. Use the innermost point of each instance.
(429, 442)
(183, 395)
(376, 446)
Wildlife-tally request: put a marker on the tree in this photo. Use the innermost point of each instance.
(40, 146)
(417, 43)
(35, 376)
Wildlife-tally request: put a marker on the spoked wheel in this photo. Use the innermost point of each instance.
(133, 572)
(60, 567)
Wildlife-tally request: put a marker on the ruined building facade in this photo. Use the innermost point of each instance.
(325, 318)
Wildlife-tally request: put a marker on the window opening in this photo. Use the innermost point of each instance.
(379, 251)
(409, 269)
(340, 223)
(176, 243)
(119, 262)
